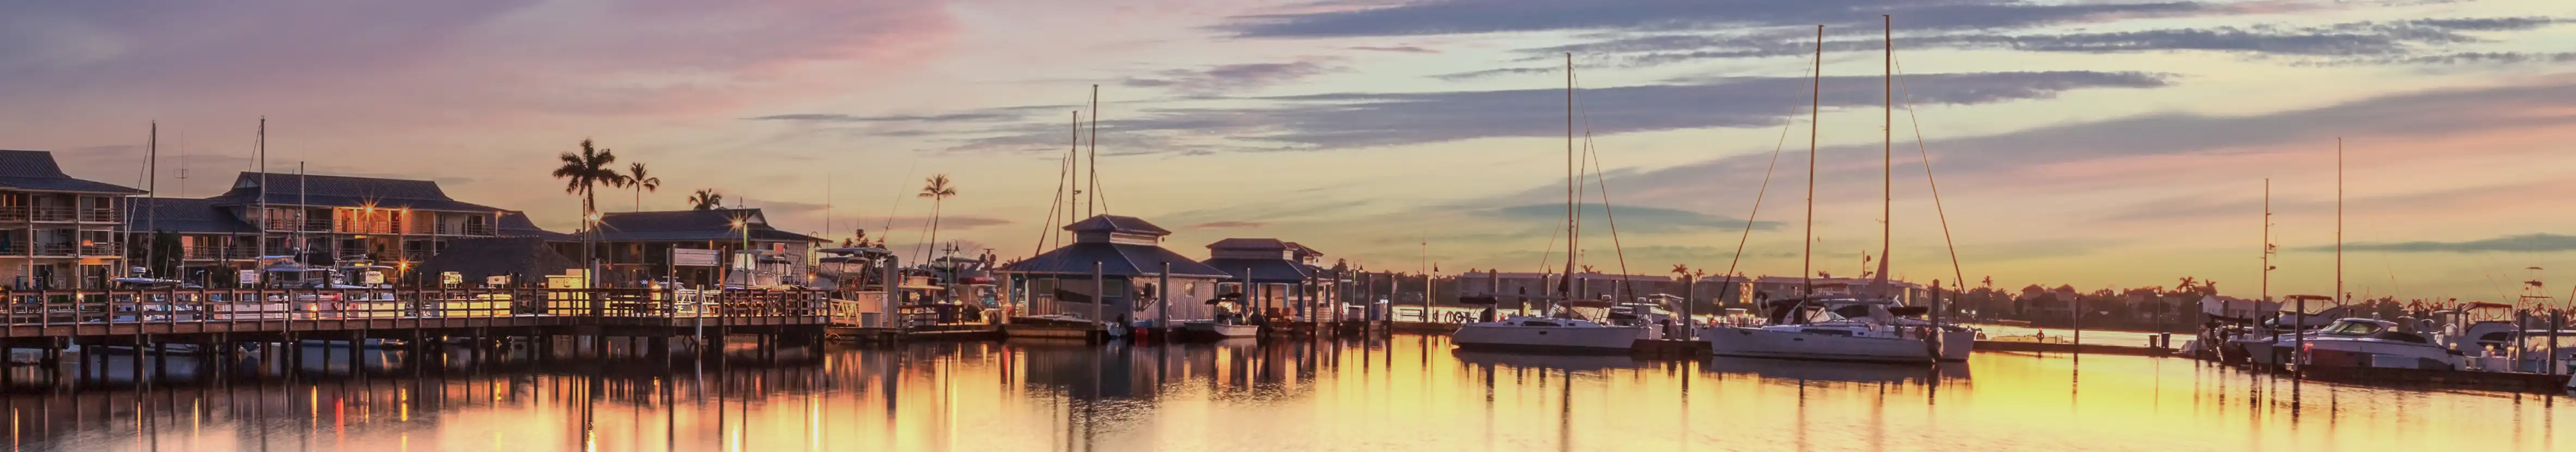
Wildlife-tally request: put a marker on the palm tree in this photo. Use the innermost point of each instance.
(938, 191)
(583, 173)
(706, 199)
(635, 177)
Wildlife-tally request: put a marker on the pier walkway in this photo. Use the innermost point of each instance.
(43, 318)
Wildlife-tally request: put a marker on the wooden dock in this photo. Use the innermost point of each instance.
(218, 319)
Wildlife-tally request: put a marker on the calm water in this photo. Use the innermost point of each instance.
(1409, 393)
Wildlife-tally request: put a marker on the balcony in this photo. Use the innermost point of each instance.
(100, 215)
(217, 253)
(37, 213)
(102, 249)
(465, 229)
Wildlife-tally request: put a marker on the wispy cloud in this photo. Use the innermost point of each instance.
(1226, 78)
(2525, 243)
(2397, 42)
(1396, 49)
(837, 117)
(1227, 224)
(1472, 75)
(1632, 219)
(1496, 16)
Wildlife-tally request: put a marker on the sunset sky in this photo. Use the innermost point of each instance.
(2096, 143)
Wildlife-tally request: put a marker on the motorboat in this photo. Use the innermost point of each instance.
(1570, 329)
(2357, 342)
(1226, 325)
(1842, 329)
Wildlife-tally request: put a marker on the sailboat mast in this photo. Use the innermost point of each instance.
(2339, 298)
(151, 156)
(263, 216)
(1092, 182)
(1887, 132)
(2267, 239)
(1565, 288)
(1807, 266)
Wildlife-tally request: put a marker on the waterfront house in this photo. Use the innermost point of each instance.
(319, 220)
(57, 232)
(1127, 254)
(1282, 274)
(334, 218)
(635, 247)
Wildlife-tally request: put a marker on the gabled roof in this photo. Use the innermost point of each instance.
(186, 216)
(1273, 271)
(1256, 244)
(690, 226)
(345, 191)
(1117, 224)
(35, 170)
(1114, 259)
(516, 224)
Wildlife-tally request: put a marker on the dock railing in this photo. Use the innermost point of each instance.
(42, 313)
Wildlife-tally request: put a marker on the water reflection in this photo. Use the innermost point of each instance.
(1401, 393)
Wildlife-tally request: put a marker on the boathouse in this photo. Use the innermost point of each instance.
(1126, 254)
(1283, 275)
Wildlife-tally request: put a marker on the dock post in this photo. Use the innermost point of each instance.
(2557, 323)
(1163, 303)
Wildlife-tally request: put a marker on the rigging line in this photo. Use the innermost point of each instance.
(1957, 274)
(1759, 193)
(897, 205)
(1585, 115)
(1055, 206)
(1612, 220)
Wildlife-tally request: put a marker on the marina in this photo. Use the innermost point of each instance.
(1377, 226)
(1402, 392)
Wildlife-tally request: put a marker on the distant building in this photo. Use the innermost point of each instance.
(57, 232)
(635, 247)
(319, 220)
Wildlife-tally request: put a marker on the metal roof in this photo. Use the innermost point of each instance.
(186, 216)
(35, 170)
(1274, 271)
(1116, 259)
(1117, 224)
(345, 191)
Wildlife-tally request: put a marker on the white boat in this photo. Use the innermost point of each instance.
(1567, 330)
(1840, 330)
(1215, 330)
(2375, 343)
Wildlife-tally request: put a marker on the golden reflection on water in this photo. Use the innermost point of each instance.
(1408, 393)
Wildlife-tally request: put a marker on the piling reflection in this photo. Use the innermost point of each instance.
(1380, 394)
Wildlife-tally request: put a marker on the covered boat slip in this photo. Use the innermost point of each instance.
(1114, 271)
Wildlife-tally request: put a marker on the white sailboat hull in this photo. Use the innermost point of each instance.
(1573, 339)
(1761, 343)
(1213, 330)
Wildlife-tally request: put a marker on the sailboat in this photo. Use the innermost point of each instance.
(1569, 326)
(1864, 325)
